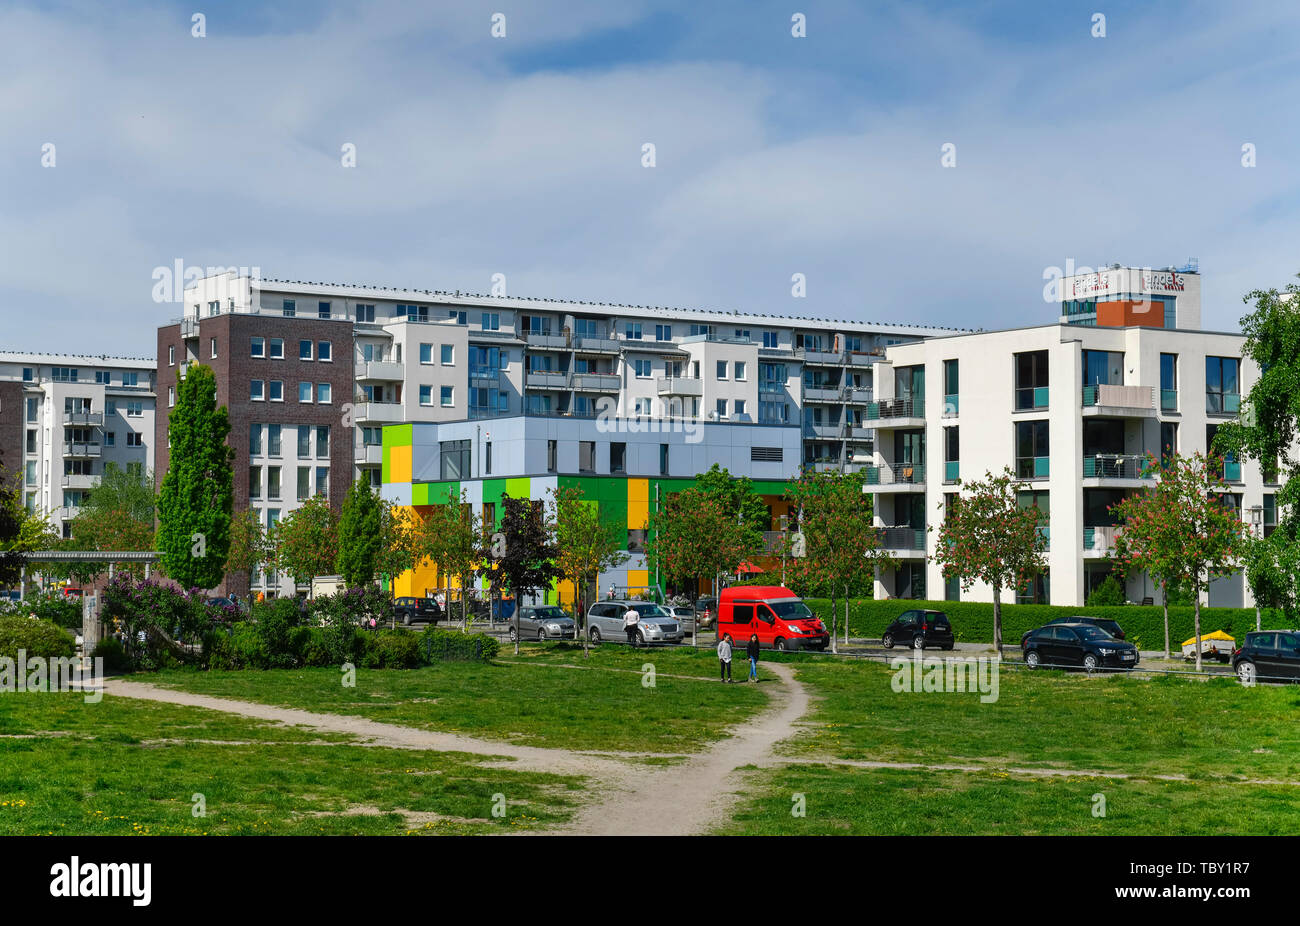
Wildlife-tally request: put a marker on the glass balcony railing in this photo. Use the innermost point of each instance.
(951, 404)
(902, 538)
(950, 471)
(1115, 466)
(898, 474)
(1029, 398)
(1033, 467)
(1169, 400)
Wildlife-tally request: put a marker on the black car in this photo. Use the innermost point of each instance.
(1269, 656)
(1105, 623)
(1077, 644)
(919, 629)
(408, 610)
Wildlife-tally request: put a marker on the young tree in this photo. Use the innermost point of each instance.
(842, 548)
(527, 564)
(360, 536)
(1181, 528)
(197, 497)
(737, 496)
(118, 513)
(987, 536)
(585, 546)
(399, 538)
(306, 542)
(250, 548)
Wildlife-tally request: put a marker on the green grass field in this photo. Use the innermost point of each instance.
(124, 767)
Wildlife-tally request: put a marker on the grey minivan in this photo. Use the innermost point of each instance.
(545, 623)
(656, 624)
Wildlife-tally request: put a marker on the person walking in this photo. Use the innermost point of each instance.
(724, 658)
(751, 651)
(630, 619)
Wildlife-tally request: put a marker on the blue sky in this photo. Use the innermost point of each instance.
(522, 155)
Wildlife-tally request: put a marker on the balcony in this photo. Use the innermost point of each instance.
(595, 345)
(1116, 466)
(1169, 400)
(597, 382)
(369, 455)
(859, 395)
(854, 432)
(824, 431)
(86, 419)
(551, 413)
(820, 357)
(900, 412)
(380, 412)
(902, 540)
(822, 394)
(375, 370)
(81, 449)
(1033, 467)
(901, 476)
(66, 512)
(680, 385)
(485, 378)
(547, 379)
(1098, 542)
(1031, 398)
(79, 481)
(858, 358)
(189, 327)
(1124, 401)
(546, 341)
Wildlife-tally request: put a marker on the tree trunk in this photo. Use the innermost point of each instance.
(846, 617)
(834, 628)
(1196, 592)
(1164, 592)
(997, 618)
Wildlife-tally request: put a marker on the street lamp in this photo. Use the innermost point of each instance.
(1257, 530)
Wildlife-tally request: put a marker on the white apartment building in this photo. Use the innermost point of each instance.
(1073, 410)
(64, 417)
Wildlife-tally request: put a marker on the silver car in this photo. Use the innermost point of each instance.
(544, 623)
(656, 624)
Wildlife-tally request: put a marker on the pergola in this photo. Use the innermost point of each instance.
(148, 557)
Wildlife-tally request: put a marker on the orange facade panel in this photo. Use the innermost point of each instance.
(1125, 313)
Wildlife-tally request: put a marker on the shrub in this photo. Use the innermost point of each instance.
(394, 649)
(452, 645)
(150, 615)
(34, 636)
(110, 650)
(56, 608)
(1108, 594)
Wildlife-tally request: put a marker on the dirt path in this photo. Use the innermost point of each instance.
(675, 800)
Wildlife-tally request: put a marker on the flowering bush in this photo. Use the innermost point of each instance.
(157, 624)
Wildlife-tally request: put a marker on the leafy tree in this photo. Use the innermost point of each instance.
(1180, 528)
(12, 518)
(988, 536)
(1273, 571)
(399, 533)
(360, 537)
(842, 550)
(306, 542)
(737, 495)
(450, 538)
(250, 547)
(197, 497)
(527, 563)
(1109, 593)
(585, 545)
(118, 514)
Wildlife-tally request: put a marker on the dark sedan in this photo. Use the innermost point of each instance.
(918, 629)
(409, 610)
(1077, 645)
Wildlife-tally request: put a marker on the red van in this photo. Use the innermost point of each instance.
(779, 617)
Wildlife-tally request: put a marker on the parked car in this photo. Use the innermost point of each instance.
(1077, 644)
(544, 623)
(656, 624)
(775, 614)
(1268, 655)
(1112, 627)
(919, 629)
(408, 610)
(707, 610)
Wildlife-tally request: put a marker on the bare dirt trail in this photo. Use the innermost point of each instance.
(629, 799)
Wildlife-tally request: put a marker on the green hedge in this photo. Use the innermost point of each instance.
(34, 636)
(452, 645)
(972, 621)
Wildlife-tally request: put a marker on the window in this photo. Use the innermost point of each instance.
(487, 457)
(426, 395)
(171, 396)
(740, 371)
(586, 328)
(552, 456)
(426, 353)
(304, 393)
(618, 457)
(273, 483)
(304, 483)
(290, 307)
(135, 409)
(324, 393)
(1231, 471)
(171, 355)
(663, 459)
(324, 351)
(323, 309)
(1168, 441)
(276, 390)
(446, 396)
(770, 339)
(1222, 391)
(323, 481)
(537, 324)
(306, 350)
(454, 459)
(1270, 514)
(323, 441)
(212, 345)
(32, 406)
(720, 408)
(491, 321)
(304, 441)
(696, 330)
(277, 348)
(273, 440)
(951, 386)
(254, 439)
(663, 332)
(951, 454)
(642, 368)
(642, 407)
(1169, 382)
(448, 355)
(1032, 456)
(257, 390)
(1103, 367)
(460, 316)
(740, 407)
(31, 440)
(255, 482)
(365, 313)
(103, 378)
(110, 406)
(1031, 380)
(633, 331)
(258, 347)
(722, 369)
(29, 375)
(586, 456)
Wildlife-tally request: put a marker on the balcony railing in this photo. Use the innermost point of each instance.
(1222, 403)
(369, 455)
(79, 481)
(897, 474)
(1029, 398)
(1099, 540)
(1033, 467)
(1112, 396)
(547, 379)
(546, 340)
(826, 431)
(902, 538)
(385, 412)
(859, 395)
(1115, 466)
(551, 413)
(951, 403)
(824, 357)
(680, 385)
(596, 345)
(896, 408)
(855, 432)
(81, 449)
(367, 370)
(951, 470)
(597, 382)
(1169, 400)
(88, 419)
